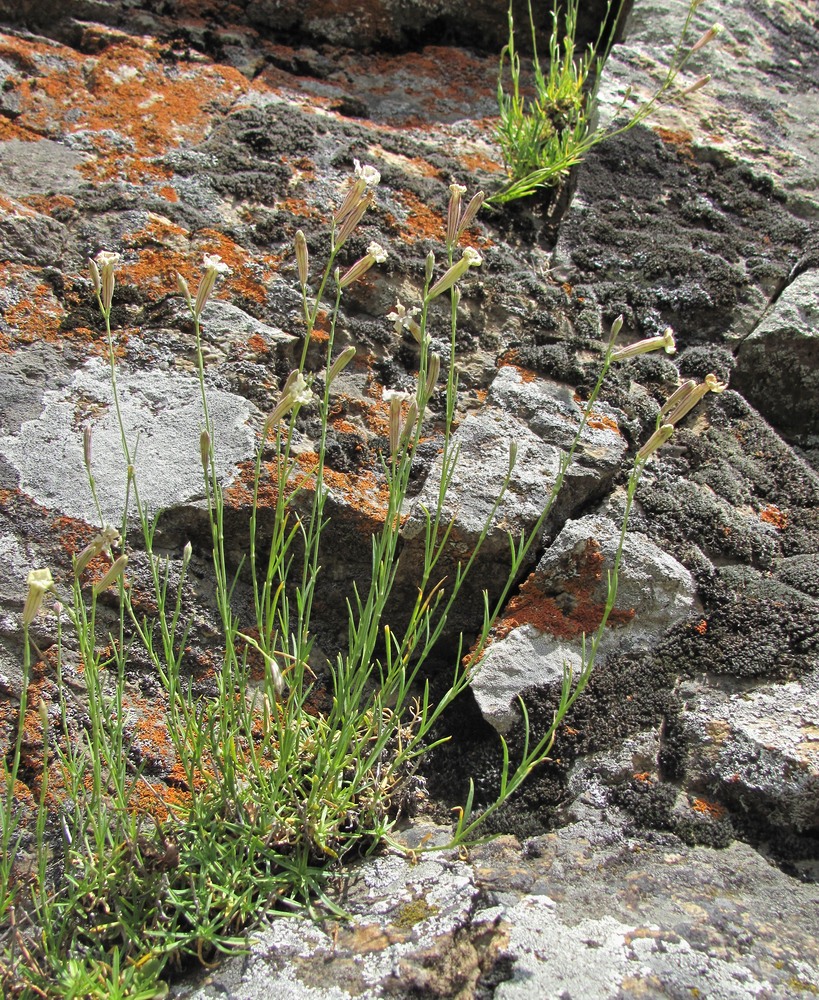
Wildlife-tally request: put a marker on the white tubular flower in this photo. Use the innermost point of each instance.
(103, 279)
(404, 319)
(666, 342)
(471, 258)
(39, 582)
(103, 542)
(687, 401)
(453, 215)
(707, 37)
(299, 391)
(368, 174)
(214, 266)
(376, 254)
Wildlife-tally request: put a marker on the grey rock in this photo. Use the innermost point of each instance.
(778, 363)
(565, 595)
(44, 167)
(162, 413)
(758, 747)
(539, 418)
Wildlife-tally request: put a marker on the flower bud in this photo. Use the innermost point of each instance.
(470, 212)
(409, 424)
(657, 439)
(453, 216)
(340, 363)
(113, 574)
(187, 553)
(86, 446)
(703, 81)
(182, 288)
(513, 455)
(353, 218)
(429, 266)
(302, 258)
(204, 450)
(433, 371)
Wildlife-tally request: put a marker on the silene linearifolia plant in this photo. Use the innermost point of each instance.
(270, 794)
(547, 128)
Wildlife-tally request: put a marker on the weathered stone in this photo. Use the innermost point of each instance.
(564, 600)
(162, 414)
(778, 362)
(757, 749)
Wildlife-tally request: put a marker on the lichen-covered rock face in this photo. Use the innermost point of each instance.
(163, 132)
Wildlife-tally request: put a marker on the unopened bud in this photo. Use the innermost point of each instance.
(204, 450)
(42, 711)
(187, 553)
(433, 371)
(113, 574)
(302, 258)
(182, 288)
(453, 216)
(513, 455)
(95, 276)
(470, 212)
(696, 85)
(86, 446)
(353, 218)
(429, 266)
(409, 424)
(657, 439)
(340, 363)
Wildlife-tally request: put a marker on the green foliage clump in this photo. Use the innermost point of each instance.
(542, 137)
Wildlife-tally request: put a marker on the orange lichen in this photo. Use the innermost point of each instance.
(422, 223)
(771, 514)
(126, 91)
(713, 810)
(34, 312)
(509, 359)
(601, 422)
(701, 627)
(577, 613)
